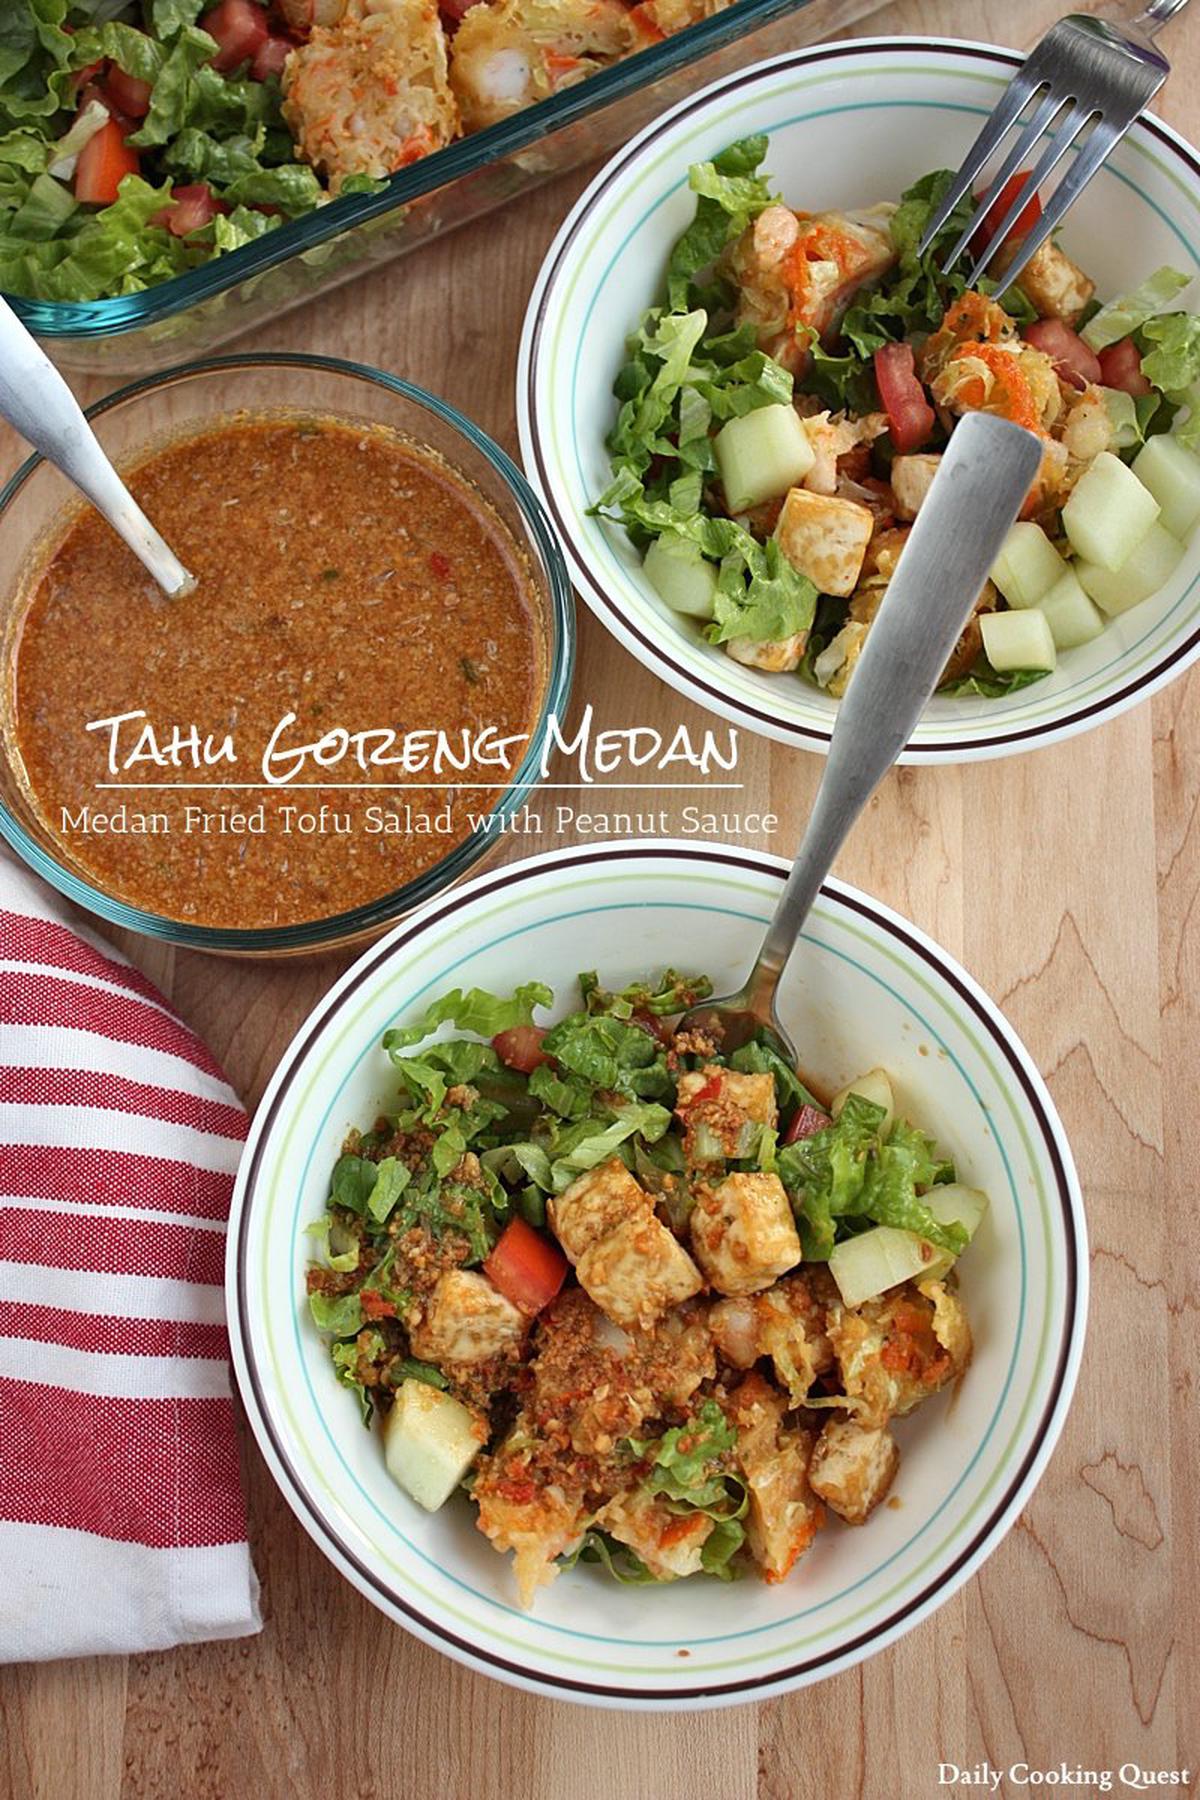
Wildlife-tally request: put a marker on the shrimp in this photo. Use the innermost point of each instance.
(370, 94)
(796, 273)
(511, 54)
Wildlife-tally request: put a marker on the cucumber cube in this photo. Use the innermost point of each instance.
(954, 1204)
(1109, 512)
(1070, 614)
(882, 1258)
(1172, 475)
(1149, 568)
(1018, 640)
(681, 577)
(762, 454)
(874, 1086)
(1028, 565)
(430, 1440)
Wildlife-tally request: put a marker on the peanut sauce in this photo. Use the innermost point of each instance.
(344, 574)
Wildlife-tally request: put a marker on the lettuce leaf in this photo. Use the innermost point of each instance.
(847, 1171)
(989, 683)
(622, 1563)
(611, 1054)
(731, 193)
(671, 993)
(690, 1472)
(1124, 315)
(479, 1011)
(341, 1314)
(761, 1058)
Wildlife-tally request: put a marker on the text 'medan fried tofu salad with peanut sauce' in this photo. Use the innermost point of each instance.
(652, 1306)
(781, 417)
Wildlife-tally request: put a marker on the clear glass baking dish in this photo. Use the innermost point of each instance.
(138, 333)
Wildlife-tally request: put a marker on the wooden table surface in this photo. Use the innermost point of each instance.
(1069, 884)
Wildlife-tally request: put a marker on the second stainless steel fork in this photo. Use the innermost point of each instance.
(1079, 89)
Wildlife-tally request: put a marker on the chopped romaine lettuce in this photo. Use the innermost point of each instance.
(1128, 312)
(487, 1014)
(730, 193)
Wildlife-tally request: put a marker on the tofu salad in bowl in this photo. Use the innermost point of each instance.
(788, 371)
(653, 1305)
(739, 1370)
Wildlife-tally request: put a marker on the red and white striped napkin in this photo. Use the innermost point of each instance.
(122, 1523)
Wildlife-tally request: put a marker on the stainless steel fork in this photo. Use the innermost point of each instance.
(1080, 88)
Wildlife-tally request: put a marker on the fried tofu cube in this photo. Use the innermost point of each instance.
(779, 657)
(594, 1205)
(784, 1514)
(912, 478)
(722, 1111)
(637, 1272)
(852, 1467)
(744, 1234)
(825, 538)
(466, 1320)
(1055, 286)
(752, 1095)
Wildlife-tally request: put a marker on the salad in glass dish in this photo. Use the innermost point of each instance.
(654, 1306)
(141, 138)
(782, 414)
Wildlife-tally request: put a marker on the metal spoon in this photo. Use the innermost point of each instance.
(37, 402)
(984, 477)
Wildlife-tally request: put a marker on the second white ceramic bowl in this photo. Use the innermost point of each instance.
(863, 988)
(848, 124)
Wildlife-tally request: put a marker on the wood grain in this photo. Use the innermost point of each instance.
(1078, 1643)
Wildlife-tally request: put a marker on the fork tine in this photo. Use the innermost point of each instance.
(1012, 104)
(1081, 113)
(1047, 109)
(1088, 159)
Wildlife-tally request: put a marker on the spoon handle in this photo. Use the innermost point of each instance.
(37, 402)
(984, 477)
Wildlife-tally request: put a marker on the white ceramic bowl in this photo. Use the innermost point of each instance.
(864, 988)
(848, 124)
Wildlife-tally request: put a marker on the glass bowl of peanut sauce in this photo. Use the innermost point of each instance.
(345, 715)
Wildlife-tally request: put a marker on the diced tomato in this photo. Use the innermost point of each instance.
(527, 1267)
(1071, 356)
(89, 72)
(1024, 222)
(710, 1091)
(240, 28)
(374, 1306)
(456, 10)
(1121, 367)
(807, 1122)
(96, 90)
(190, 209)
(270, 57)
(910, 416)
(131, 96)
(521, 1048)
(658, 1028)
(103, 164)
(440, 565)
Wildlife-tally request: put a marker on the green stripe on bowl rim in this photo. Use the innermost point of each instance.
(592, 1663)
